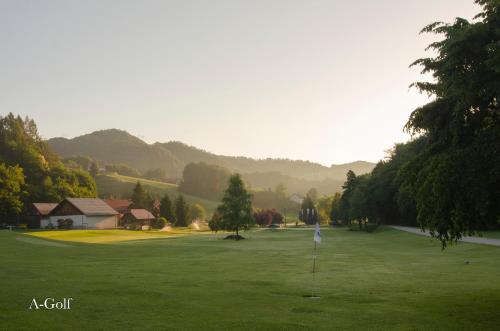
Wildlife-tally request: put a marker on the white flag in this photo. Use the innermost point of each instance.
(317, 234)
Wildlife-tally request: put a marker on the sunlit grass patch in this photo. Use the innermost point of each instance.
(110, 236)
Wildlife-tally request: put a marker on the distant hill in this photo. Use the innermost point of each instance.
(294, 168)
(117, 146)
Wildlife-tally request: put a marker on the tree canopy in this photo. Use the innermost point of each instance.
(11, 191)
(166, 210)
(236, 207)
(447, 178)
(141, 198)
(204, 180)
(46, 178)
(181, 211)
(456, 179)
(308, 212)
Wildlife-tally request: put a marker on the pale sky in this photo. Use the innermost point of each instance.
(325, 81)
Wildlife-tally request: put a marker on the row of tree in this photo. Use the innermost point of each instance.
(383, 195)
(447, 179)
(177, 212)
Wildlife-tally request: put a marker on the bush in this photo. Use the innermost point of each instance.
(159, 223)
(267, 217)
(65, 224)
(215, 224)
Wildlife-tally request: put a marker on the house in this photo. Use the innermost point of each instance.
(297, 198)
(39, 212)
(138, 219)
(85, 213)
(120, 205)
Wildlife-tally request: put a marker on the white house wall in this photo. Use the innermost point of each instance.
(78, 221)
(102, 222)
(84, 222)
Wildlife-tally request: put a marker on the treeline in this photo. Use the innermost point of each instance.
(167, 211)
(448, 180)
(383, 196)
(316, 209)
(204, 180)
(31, 172)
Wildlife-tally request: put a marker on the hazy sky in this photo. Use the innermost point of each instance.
(325, 81)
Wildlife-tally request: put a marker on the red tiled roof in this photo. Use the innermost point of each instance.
(120, 206)
(141, 214)
(44, 208)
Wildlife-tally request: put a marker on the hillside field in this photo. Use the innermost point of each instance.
(387, 280)
(120, 186)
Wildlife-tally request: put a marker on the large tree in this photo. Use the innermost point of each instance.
(204, 180)
(348, 190)
(308, 212)
(335, 209)
(11, 191)
(236, 207)
(181, 211)
(456, 179)
(166, 210)
(141, 198)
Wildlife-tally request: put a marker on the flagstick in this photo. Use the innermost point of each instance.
(313, 296)
(314, 258)
(317, 238)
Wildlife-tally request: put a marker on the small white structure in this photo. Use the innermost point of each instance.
(297, 198)
(85, 213)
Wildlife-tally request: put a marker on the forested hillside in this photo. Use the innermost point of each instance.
(31, 172)
(119, 147)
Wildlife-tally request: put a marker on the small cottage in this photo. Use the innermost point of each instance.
(82, 213)
(138, 219)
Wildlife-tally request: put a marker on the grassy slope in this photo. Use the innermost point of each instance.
(121, 186)
(386, 280)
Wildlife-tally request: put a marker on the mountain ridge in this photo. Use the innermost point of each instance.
(119, 146)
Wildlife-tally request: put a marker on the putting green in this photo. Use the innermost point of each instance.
(110, 236)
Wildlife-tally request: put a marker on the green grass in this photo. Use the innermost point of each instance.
(387, 280)
(122, 186)
(488, 234)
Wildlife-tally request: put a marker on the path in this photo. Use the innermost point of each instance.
(475, 240)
